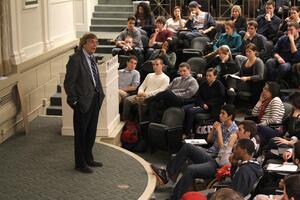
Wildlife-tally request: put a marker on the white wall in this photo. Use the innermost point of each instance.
(39, 29)
(83, 14)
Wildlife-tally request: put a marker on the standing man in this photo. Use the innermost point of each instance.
(84, 95)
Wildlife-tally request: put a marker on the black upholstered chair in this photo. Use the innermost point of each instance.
(167, 135)
(198, 66)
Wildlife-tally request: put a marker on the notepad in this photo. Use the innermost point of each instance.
(287, 167)
(196, 141)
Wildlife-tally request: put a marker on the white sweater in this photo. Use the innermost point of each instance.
(154, 84)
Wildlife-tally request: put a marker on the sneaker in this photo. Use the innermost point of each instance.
(231, 92)
(161, 174)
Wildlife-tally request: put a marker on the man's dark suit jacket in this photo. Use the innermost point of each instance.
(78, 84)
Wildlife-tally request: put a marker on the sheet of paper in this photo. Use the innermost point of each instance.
(3, 78)
(234, 76)
(196, 141)
(287, 167)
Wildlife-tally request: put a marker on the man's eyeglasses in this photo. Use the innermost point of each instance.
(93, 42)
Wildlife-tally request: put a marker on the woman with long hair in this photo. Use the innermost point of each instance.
(240, 22)
(144, 18)
(175, 23)
(250, 76)
(230, 38)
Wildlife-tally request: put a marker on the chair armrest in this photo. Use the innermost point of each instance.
(158, 126)
(173, 129)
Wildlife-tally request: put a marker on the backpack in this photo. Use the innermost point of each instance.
(129, 136)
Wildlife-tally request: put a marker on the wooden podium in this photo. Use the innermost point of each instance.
(109, 124)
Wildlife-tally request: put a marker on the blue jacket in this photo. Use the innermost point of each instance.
(234, 41)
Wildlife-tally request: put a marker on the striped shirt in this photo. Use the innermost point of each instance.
(273, 113)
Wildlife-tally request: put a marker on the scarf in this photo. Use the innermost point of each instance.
(263, 107)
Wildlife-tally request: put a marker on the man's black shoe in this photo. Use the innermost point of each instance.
(95, 164)
(161, 174)
(86, 170)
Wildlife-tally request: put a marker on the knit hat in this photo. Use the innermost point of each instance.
(194, 4)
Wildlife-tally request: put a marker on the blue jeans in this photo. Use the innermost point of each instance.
(204, 166)
(190, 113)
(266, 133)
(275, 70)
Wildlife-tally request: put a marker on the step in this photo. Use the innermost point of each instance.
(109, 14)
(115, 2)
(107, 28)
(106, 41)
(105, 49)
(105, 21)
(99, 57)
(54, 110)
(114, 8)
(106, 35)
(55, 100)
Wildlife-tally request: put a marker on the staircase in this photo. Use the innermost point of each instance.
(55, 103)
(109, 19)
(111, 15)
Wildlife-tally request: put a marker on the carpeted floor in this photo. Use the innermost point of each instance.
(40, 166)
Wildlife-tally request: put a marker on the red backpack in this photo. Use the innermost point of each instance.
(129, 136)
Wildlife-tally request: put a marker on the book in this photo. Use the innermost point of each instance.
(286, 167)
(196, 141)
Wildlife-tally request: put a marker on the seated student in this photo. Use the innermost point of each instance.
(260, 41)
(268, 23)
(209, 99)
(129, 78)
(199, 23)
(175, 23)
(166, 53)
(270, 184)
(230, 38)
(287, 52)
(246, 130)
(179, 90)
(123, 39)
(294, 17)
(240, 23)
(251, 75)
(153, 84)
(222, 60)
(291, 127)
(203, 164)
(248, 171)
(161, 34)
(269, 110)
(127, 47)
(144, 19)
